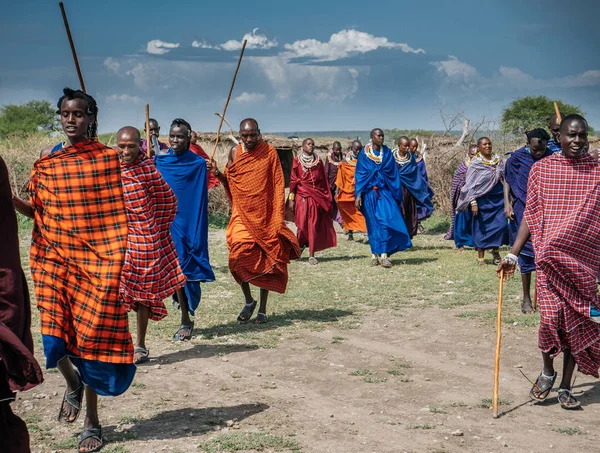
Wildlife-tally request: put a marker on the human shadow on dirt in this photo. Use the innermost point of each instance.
(411, 261)
(181, 422)
(276, 321)
(202, 351)
(341, 258)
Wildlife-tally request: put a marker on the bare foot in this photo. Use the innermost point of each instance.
(527, 306)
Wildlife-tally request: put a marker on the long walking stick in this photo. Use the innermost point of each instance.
(557, 112)
(68, 30)
(498, 342)
(228, 98)
(148, 142)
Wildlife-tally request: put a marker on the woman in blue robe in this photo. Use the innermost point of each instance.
(378, 193)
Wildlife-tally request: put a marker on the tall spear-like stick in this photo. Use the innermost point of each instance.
(498, 342)
(212, 156)
(148, 142)
(68, 30)
(557, 112)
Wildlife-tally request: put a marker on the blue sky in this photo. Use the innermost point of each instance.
(310, 65)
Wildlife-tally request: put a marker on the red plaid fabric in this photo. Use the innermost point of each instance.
(77, 251)
(563, 214)
(151, 270)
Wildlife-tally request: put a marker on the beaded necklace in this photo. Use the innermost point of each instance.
(351, 159)
(309, 160)
(332, 161)
(371, 154)
(399, 159)
(492, 162)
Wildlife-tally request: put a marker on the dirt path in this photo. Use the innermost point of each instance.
(409, 380)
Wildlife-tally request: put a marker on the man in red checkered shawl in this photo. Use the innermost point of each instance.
(151, 270)
(562, 216)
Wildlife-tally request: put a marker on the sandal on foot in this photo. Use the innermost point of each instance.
(91, 433)
(73, 399)
(386, 263)
(567, 400)
(313, 261)
(261, 318)
(182, 328)
(374, 262)
(246, 312)
(496, 255)
(144, 355)
(542, 387)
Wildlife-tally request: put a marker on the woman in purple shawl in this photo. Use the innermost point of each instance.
(516, 175)
(458, 181)
(483, 192)
(334, 158)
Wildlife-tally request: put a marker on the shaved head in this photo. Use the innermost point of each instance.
(375, 130)
(249, 122)
(133, 132)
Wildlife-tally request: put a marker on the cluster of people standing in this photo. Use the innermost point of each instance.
(122, 229)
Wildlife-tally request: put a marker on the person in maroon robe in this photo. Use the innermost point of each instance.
(19, 370)
(310, 199)
(334, 159)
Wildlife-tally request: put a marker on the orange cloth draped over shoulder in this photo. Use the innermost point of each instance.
(352, 219)
(260, 244)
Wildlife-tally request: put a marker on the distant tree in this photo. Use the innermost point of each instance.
(530, 112)
(27, 118)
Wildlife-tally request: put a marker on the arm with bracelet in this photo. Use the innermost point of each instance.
(509, 263)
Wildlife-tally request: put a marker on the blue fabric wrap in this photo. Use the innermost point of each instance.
(412, 178)
(463, 229)
(186, 174)
(381, 208)
(516, 174)
(106, 379)
(490, 228)
(526, 264)
(553, 146)
(425, 210)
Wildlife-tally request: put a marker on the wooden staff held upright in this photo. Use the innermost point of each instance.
(148, 141)
(212, 156)
(558, 116)
(498, 343)
(68, 30)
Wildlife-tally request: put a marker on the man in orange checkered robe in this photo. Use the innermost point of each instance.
(260, 244)
(78, 248)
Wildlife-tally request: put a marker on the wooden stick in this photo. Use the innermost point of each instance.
(148, 141)
(498, 342)
(557, 112)
(534, 296)
(65, 20)
(212, 156)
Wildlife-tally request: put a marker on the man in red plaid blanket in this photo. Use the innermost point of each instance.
(562, 216)
(151, 270)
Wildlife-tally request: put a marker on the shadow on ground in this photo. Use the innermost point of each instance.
(181, 422)
(275, 321)
(203, 351)
(411, 261)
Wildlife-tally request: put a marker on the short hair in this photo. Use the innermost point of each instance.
(538, 133)
(373, 131)
(137, 131)
(482, 139)
(356, 141)
(337, 143)
(307, 139)
(152, 119)
(91, 110)
(574, 117)
(403, 137)
(250, 120)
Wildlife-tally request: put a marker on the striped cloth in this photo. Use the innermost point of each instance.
(480, 179)
(458, 181)
(151, 270)
(77, 252)
(563, 215)
(554, 146)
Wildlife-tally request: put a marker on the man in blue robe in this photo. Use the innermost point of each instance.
(516, 175)
(378, 194)
(186, 174)
(554, 126)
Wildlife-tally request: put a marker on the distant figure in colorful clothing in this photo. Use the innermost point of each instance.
(352, 219)
(554, 127)
(260, 244)
(463, 238)
(414, 186)
(334, 159)
(516, 175)
(483, 192)
(154, 138)
(77, 275)
(151, 270)
(311, 201)
(378, 194)
(562, 217)
(185, 172)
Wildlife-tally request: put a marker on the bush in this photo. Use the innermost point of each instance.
(27, 119)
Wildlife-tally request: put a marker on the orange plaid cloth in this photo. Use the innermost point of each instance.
(260, 244)
(78, 247)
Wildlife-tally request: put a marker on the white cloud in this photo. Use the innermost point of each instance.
(126, 98)
(343, 44)
(112, 64)
(158, 47)
(456, 69)
(255, 41)
(250, 97)
(203, 45)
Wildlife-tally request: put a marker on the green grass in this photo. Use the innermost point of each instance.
(374, 380)
(395, 372)
(258, 441)
(567, 431)
(486, 403)
(138, 385)
(360, 373)
(436, 410)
